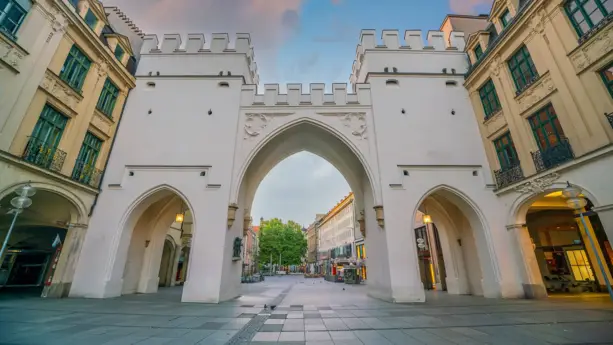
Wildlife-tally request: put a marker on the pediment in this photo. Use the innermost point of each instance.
(497, 7)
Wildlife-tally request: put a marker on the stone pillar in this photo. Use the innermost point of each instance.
(175, 265)
(187, 240)
(532, 280)
(66, 265)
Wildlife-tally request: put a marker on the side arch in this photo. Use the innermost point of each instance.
(478, 235)
(82, 210)
(521, 204)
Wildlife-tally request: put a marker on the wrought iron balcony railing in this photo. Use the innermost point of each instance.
(555, 155)
(87, 174)
(44, 155)
(507, 176)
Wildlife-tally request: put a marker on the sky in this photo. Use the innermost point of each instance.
(296, 41)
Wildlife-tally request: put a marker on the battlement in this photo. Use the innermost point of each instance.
(315, 97)
(196, 44)
(413, 42)
(125, 19)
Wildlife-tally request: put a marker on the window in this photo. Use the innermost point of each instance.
(489, 99)
(546, 128)
(12, 13)
(505, 150)
(119, 52)
(45, 137)
(505, 18)
(522, 69)
(586, 14)
(74, 3)
(478, 52)
(108, 98)
(607, 77)
(91, 19)
(86, 161)
(75, 68)
(580, 265)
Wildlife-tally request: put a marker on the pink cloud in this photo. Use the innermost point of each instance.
(467, 6)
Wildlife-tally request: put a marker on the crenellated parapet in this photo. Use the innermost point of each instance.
(197, 44)
(315, 97)
(121, 15)
(413, 41)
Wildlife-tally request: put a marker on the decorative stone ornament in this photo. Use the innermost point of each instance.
(232, 214)
(362, 222)
(379, 215)
(538, 185)
(246, 223)
(236, 249)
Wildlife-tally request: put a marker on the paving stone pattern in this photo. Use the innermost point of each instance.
(308, 311)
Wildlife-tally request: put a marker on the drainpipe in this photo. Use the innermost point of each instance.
(91, 210)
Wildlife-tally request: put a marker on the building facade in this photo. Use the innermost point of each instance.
(64, 79)
(541, 86)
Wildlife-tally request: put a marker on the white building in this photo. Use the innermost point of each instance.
(196, 132)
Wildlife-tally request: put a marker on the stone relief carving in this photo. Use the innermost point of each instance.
(495, 123)
(101, 123)
(535, 93)
(103, 69)
(495, 65)
(593, 50)
(257, 122)
(57, 89)
(10, 55)
(356, 122)
(537, 24)
(538, 185)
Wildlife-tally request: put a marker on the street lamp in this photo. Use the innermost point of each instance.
(20, 202)
(577, 202)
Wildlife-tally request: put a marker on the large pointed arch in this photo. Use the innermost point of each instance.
(305, 134)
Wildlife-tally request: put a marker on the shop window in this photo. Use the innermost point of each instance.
(579, 265)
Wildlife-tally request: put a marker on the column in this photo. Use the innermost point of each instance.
(65, 268)
(175, 265)
(532, 280)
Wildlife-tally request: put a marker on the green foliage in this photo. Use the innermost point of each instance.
(276, 237)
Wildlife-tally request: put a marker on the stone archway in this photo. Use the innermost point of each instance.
(467, 259)
(549, 236)
(33, 247)
(167, 262)
(324, 141)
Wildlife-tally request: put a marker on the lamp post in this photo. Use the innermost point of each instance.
(577, 202)
(20, 202)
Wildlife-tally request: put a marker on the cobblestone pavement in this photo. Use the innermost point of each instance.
(310, 311)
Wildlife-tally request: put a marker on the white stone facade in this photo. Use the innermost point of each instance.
(196, 131)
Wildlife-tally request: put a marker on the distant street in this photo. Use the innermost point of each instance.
(308, 311)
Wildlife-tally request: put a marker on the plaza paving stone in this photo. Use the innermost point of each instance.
(309, 311)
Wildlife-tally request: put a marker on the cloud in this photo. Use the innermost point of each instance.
(468, 6)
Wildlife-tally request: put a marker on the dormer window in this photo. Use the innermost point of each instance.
(74, 3)
(505, 18)
(478, 52)
(119, 52)
(91, 20)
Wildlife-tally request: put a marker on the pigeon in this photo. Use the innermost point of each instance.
(272, 307)
(265, 306)
(343, 289)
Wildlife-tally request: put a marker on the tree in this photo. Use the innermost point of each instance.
(284, 239)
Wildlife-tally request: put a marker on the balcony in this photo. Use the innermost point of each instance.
(508, 176)
(44, 155)
(86, 174)
(556, 155)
